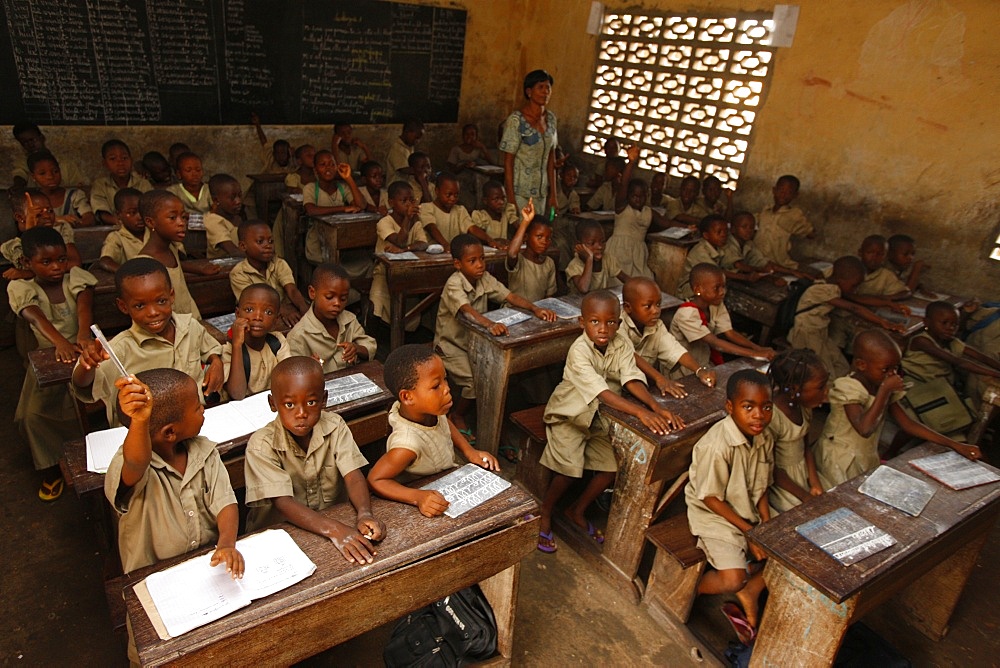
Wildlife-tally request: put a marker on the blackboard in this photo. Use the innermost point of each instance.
(211, 62)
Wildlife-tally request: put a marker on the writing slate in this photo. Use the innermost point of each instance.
(845, 536)
(897, 489)
(467, 487)
(210, 62)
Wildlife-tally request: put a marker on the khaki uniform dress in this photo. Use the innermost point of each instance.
(675, 207)
(432, 445)
(603, 198)
(397, 158)
(383, 198)
(789, 456)
(294, 180)
(276, 466)
(747, 252)
(881, 282)
(262, 363)
(654, 344)
(141, 351)
(842, 452)
(316, 250)
(379, 295)
(607, 277)
(925, 367)
(689, 330)
(449, 223)
(701, 252)
(532, 280)
(576, 433)
(183, 301)
(812, 327)
(310, 337)
(451, 338)
(725, 465)
(167, 514)
(628, 241)
(218, 229)
(200, 204)
(354, 158)
(103, 190)
(775, 230)
(277, 274)
(45, 415)
(497, 229)
(11, 249)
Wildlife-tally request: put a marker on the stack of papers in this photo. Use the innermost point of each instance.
(237, 418)
(222, 322)
(507, 316)
(349, 388)
(102, 446)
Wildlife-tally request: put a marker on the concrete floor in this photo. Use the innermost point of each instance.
(53, 612)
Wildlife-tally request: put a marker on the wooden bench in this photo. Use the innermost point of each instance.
(677, 567)
(530, 473)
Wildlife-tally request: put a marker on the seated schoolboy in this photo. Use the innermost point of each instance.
(726, 496)
(328, 331)
(158, 171)
(567, 202)
(494, 222)
(567, 197)
(167, 220)
(401, 230)
(254, 351)
(859, 403)
(423, 439)
(712, 199)
(32, 139)
(276, 155)
(603, 198)
(334, 191)
(305, 173)
(190, 187)
(347, 148)
(813, 316)
(777, 225)
(468, 291)
(402, 148)
(176, 149)
(158, 338)
(710, 250)
(444, 218)
(303, 461)
(373, 191)
(70, 205)
(222, 222)
(263, 266)
(58, 304)
(118, 162)
(167, 484)
(598, 365)
(686, 209)
(127, 239)
(656, 349)
(657, 184)
(881, 285)
(590, 269)
(418, 174)
(633, 218)
(31, 208)
(937, 353)
(530, 272)
(901, 260)
(702, 325)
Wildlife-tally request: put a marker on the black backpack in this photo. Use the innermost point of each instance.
(454, 631)
(789, 308)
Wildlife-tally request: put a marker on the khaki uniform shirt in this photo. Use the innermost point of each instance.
(655, 344)
(603, 198)
(747, 253)
(277, 274)
(26, 292)
(775, 230)
(276, 466)
(183, 301)
(354, 158)
(71, 176)
(383, 198)
(566, 203)
(881, 282)
(532, 280)
(925, 367)
(398, 157)
(449, 223)
(607, 277)
(167, 514)
(11, 249)
(121, 245)
(451, 336)
(432, 445)
(309, 337)
(497, 229)
(200, 204)
(217, 230)
(103, 190)
(701, 252)
(674, 208)
(262, 363)
(689, 331)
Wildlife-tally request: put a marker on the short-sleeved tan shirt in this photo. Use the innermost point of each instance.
(276, 466)
(924, 366)
(451, 336)
(747, 253)
(310, 337)
(383, 198)
(655, 343)
(354, 158)
(701, 252)
(167, 513)
(497, 229)
(689, 331)
(103, 190)
(217, 230)
(816, 299)
(449, 223)
(532, 280)
(881, 282)
(24, 293)
(71, 175)
(603, 198)
(183, 301)
(121, 245)
(262, 363)
(607, 277)
(566, 203)
(675, 207)
(200, 204)
(398, 157)
(277, 274)
(775, 230)
(12, 251)
(432, 445)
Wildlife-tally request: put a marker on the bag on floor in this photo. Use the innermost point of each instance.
(456, 630)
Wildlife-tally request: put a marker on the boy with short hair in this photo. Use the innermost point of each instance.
(373, 192)
(590, 269)
(118, 162)
(157, 338)
(423, 439)
(328, 331)
(603, 198)
(417, 174)
(530, 272)
(598, 365)
(32, 140)
(125, 241)
(190, 187)
(31, 208)
(300, 463)
(687, 209)
(901, 258)
(444, 218)
(400, 230)
(254, 351)
(731, 469)
(225, 216)
(347, 148)
(880, 281)
(263, 266)
(157, 167)
(469, 291)
(711, 249)
(403, 146)
(779, 223)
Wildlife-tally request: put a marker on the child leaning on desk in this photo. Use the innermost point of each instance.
(423, 439)
(591, 269)
(469, 290)
(300, 464)
(250, 357)
(598, 365)
(333, 191)
(726, 496)
(58, 304)
(329, 332)
(263, 266)
(158, 338)
(399, 231)
(444, 218)
(497, 217)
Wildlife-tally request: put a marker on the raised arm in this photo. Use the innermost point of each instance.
(514, 249)
(621, 195)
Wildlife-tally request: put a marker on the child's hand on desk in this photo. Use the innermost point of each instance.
(815, 490)
(289, 314)
(214, 377)
(485, 460)
(655, 422)
(92, 354)
(233, 560)
(134, 398)
(66, 351)
(201, 268)
(766, 353)
(674, 421)
(707, 377)
(671, 387)
(757, 551)
(349, 352)
(498, 329)
(432, 503)
(900, 308)
(893, 326)
(352, 209)
(355, 547)
(545, 314)
(370, 527)
(968, 451)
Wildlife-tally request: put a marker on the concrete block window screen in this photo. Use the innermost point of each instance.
(687, 89)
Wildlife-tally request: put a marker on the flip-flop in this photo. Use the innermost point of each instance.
(746, 633)
(595, 533)
(546, 543)
(468, 435)
(509, 452)
(50, 490)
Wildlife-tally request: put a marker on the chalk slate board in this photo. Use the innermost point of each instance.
(211, 62)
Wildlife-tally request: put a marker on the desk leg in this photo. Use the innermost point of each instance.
(501, 591)
(329, 233)
(801, 626)
(667, 263)
(396, 314)
(490, 379)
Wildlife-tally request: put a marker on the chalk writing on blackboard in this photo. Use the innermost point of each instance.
(897, 489)
(955, 471)
(467, 487)
(845, 536)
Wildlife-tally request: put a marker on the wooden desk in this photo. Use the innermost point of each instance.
(666, 259)
(607, 220)
(90, 240)
(267, 188)
(813, 599)
(341, 231)
(420, 561)
(424, 276)
(757, 301)
(646, 463)
(530, 344)
(293, 239)
(668, 303)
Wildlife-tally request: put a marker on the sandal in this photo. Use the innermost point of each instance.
(546, 543)
(595, 533)
(746, 633)
(468, 435)
(510, 452)
(51, 490)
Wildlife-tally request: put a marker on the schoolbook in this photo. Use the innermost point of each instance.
(193, 593)
(845, 536)
(467, 487)
(955, 471)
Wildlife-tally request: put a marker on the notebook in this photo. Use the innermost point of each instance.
(102, 446)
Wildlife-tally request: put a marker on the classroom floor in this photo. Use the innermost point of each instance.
(53, 612)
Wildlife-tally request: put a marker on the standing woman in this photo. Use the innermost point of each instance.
(528, 143)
